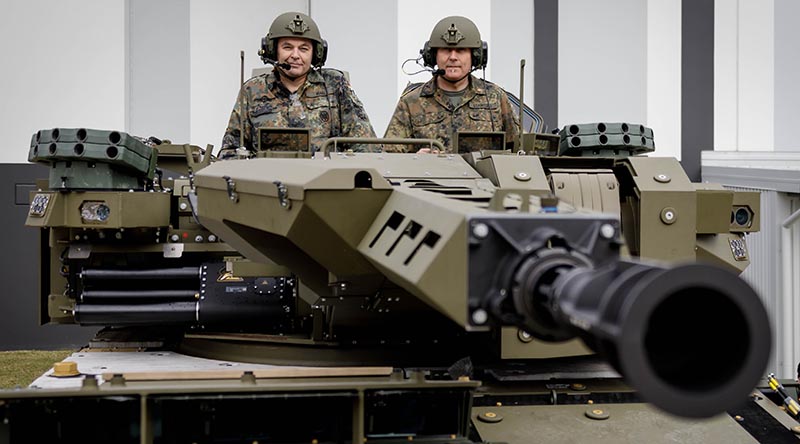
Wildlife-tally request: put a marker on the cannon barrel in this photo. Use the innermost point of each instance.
(692, 339)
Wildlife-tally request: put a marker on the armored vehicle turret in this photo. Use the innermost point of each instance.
(512, 269)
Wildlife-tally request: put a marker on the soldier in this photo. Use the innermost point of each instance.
(454, 100)
(298, 93)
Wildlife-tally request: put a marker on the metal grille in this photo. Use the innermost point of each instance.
(766, 274)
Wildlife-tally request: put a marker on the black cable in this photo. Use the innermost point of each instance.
(424, 68)
(333, 132)
(486, 96)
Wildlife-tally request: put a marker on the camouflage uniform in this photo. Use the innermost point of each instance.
(426, 112)
(325, 104)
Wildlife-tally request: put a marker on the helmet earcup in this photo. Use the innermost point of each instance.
(268, 51)
(480, 56)
(428, 57)
(320, 53)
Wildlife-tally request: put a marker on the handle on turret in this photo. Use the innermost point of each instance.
(434, 144)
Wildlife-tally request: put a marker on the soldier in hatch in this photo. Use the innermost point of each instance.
(454, 100)
(298, 93)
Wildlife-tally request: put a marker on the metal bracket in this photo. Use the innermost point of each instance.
(497, 201)
(172, 250)
(79, 251)
(283, 195)
(232, 194)
(205, 160)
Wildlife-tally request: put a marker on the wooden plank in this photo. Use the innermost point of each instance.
(277, 372)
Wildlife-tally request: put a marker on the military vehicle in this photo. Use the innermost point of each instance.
(504, 293)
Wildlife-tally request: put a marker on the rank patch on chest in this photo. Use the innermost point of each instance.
(323, 115)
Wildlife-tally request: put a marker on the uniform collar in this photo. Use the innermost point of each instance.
(315, 76)
(474, 88)
(430, 87)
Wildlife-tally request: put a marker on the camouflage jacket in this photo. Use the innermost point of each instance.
(425, 112)
(325, 104)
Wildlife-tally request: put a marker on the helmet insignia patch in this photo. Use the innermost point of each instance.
(297, 26)
(453, 35)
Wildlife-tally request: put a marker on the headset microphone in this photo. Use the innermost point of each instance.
(281, 65)
(440, 72)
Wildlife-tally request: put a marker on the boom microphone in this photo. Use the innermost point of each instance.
(282, 65)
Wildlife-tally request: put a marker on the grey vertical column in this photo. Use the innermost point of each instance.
(362, 39)
(697, 80)
(158, 69)
(545, 56)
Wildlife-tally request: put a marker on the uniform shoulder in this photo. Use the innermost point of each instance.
(489, 86)
(333, 74)
(411, 88)
(260, 79)
(416, 91)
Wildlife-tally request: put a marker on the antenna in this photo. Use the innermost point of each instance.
(521, 104)
(241, 96)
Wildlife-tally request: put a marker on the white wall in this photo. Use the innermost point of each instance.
(726, 75)
(63, 66)
(663, 113)
(756, 67)
(602, 61)
(744, 75)
(787, 73)
(158, 69)
(756, 89)
(620, 61)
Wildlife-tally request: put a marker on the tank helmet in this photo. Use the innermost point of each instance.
(456, 32)
(297, 25)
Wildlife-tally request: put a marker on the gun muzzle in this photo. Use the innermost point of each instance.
(693, 340)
